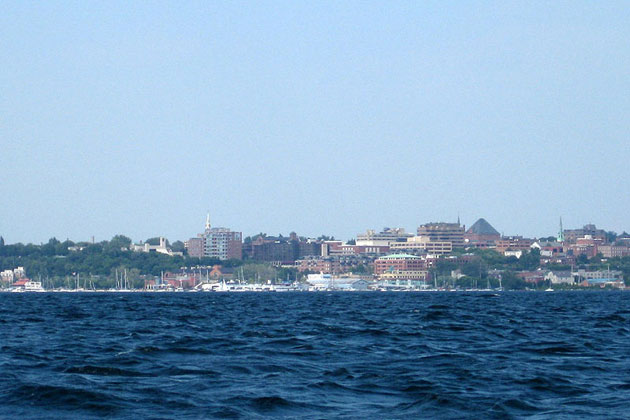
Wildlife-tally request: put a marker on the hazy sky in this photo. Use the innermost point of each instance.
(318, 117)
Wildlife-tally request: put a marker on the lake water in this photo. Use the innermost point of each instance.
(315, 355)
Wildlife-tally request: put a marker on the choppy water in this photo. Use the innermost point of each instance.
(315, 355)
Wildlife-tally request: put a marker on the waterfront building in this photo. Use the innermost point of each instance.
(324, 281)
(6, 276)
(333, 264)
(219, 272)
(417, 275)
(582, 275)
(605, 282)
(560, 277)
(400, 266)
(444, 232)
(9, 276)
(601, 278)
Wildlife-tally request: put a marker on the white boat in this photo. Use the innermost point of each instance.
(33, 286)
(214, 287)
(549, 289)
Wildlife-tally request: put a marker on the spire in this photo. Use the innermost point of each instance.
(561, 232)
(458, 219)
(208, 221)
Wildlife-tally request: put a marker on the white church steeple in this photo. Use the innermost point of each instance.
(208, 222)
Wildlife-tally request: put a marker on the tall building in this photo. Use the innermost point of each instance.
(444, 232)
(222, 243)
(217, 242)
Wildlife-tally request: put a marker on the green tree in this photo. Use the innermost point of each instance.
(611, 237)
(363, 269)
(530, 260)
(51, 247)
(582, 259)
(117, 243)
(178, 246)
(477, 269)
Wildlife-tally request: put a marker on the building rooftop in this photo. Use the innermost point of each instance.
(482, 227)
(399, 256)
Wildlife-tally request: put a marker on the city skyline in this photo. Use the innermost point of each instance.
(207, 227)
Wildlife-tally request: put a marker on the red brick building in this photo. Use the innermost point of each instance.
(513, 243)
(399, 262)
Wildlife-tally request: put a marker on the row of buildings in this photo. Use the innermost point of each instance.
(397, 254)
(430, 238)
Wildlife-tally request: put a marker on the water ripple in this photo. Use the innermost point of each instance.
(324, 355)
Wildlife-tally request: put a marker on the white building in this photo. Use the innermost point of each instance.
(160, 248)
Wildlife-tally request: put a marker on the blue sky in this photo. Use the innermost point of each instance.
(318, 117)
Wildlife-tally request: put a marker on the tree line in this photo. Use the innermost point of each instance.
(56, 258)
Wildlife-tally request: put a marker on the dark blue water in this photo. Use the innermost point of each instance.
(315, 355)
